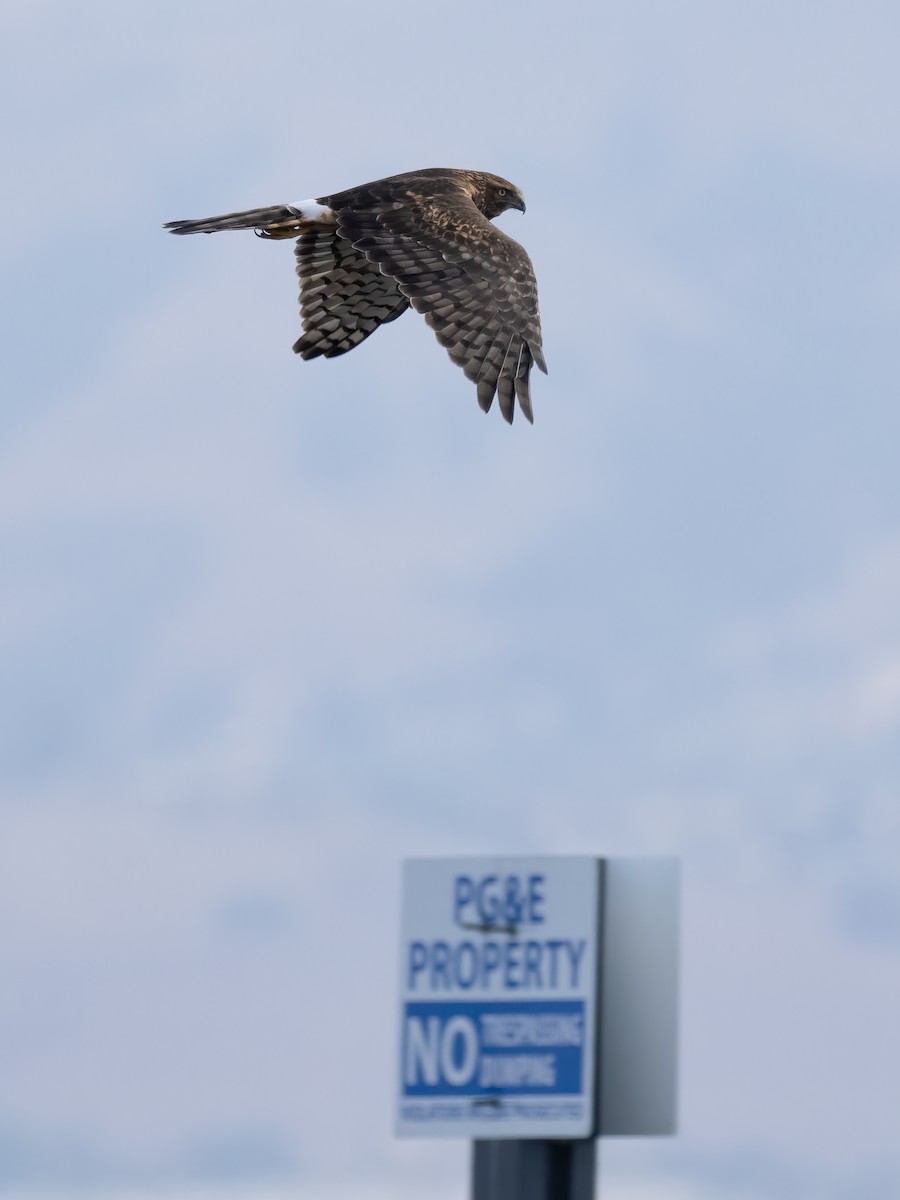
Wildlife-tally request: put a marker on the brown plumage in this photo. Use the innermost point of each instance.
(423, 239)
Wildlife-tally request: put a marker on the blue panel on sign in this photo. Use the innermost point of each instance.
(492, 1048)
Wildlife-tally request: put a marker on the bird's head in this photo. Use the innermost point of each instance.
(497, 195)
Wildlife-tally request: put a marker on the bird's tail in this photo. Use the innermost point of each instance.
(277, 221)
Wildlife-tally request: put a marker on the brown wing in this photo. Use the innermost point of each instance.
(475, 285)
(343, 296)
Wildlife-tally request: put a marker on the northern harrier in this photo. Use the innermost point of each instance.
(424, 238)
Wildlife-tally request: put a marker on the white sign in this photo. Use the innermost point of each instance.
(498, 992)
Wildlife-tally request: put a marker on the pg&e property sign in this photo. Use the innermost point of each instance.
(498, 988)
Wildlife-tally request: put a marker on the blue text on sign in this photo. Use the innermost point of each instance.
(508, 965)
(498, 900)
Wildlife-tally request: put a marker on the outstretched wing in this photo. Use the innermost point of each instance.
(343, 296)
(474, 285)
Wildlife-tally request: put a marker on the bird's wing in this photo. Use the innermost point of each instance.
(343, 296)
(474, 285)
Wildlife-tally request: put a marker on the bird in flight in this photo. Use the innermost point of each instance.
(424, 239)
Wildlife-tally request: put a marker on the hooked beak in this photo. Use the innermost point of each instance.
(518, 204)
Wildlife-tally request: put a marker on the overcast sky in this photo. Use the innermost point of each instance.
(268, 627)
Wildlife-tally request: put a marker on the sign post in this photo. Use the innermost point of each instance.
(534, 1170)
(538, 1011)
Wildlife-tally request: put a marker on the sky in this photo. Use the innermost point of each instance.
(267, 627)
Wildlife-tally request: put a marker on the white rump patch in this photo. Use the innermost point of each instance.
(309, 210)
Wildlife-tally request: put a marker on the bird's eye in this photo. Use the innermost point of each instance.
(501, 191)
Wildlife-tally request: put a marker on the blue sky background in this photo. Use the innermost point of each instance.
(268, 627)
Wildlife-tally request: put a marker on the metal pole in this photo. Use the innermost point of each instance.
(534, 1170)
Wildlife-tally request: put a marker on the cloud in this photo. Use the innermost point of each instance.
(267, 627)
